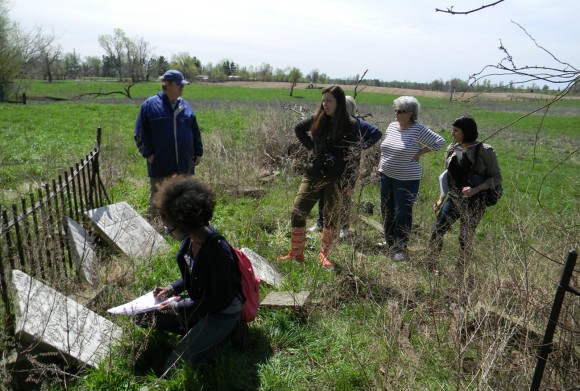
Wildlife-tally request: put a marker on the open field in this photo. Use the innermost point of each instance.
(499, 96)
(374, 324)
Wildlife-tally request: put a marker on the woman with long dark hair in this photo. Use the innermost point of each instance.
(333, 138)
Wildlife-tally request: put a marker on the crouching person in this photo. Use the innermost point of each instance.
(211, 309)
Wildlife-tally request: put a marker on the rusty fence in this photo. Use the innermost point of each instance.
(34, 233)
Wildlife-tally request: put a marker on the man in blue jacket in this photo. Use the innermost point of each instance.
(167, 134)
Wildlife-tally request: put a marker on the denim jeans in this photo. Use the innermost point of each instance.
(397, 199)
(469, 211)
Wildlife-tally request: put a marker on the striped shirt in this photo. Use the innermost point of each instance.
(401, 145)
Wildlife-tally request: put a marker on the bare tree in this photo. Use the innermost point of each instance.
(294, 77)
(138, 58)
(50, 56)
(20, 50)
(114, 46)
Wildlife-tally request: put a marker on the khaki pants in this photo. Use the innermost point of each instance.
(310, 191)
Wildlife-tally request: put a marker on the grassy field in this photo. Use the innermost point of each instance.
(374, 323)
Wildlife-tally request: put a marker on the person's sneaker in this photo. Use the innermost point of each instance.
(315, 228)
(398, 257)
(343, 233)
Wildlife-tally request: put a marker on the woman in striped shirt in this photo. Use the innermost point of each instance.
(400, 172)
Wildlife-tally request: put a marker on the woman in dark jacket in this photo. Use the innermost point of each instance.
(333, 137)
(209, 273)
(471, 169)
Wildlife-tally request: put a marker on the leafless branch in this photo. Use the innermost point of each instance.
(449, 10)
(544, 49)
(564, 73)
(358, 83)
(126, 92)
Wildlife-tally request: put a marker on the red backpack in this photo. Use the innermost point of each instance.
(250, 284)
(250, 287)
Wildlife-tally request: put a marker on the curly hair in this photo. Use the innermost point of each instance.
(185, 202)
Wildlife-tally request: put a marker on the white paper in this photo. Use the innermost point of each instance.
(443, 183)
(141, 304)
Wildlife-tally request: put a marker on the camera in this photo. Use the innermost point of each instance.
(329, 160)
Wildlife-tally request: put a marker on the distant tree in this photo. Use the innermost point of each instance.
(437, 85)
(265, 72)
(50, 55)
(162, 65)
(92, 66)
(313, 76)
(139, 60)
(20, 51)
(188, 65)
(294, 77)
(72, 65)
(230, 68)
(108, 66)
(114, 46)
(280, 75)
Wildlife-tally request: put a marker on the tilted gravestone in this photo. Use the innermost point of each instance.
(82, 251)
(127, 230)
(49, 321)
(262, 268)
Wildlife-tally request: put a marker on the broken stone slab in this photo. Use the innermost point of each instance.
(374, 224)
(286, 299)
(262, 268)
(127, 231)
(82, 251)
(49, 321)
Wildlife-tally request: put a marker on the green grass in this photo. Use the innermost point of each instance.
(373, 323)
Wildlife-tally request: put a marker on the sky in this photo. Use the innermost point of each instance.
(392, 39)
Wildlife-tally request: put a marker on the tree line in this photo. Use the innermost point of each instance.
(37, 55)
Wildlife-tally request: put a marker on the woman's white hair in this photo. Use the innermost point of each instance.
(350, 105)
(410, 104)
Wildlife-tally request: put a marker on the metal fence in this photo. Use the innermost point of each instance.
(34, 232)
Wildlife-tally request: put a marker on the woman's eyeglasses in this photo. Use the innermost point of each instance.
(168, 230)
(400, 111)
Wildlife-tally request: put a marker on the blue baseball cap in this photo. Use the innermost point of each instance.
(175, 76)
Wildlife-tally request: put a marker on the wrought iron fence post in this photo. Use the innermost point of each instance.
(546, 348)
